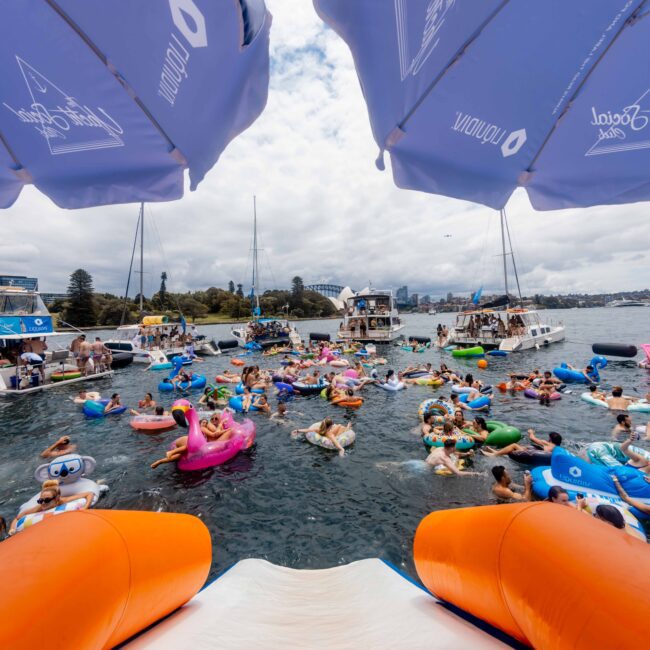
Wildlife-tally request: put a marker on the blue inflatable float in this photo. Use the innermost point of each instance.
(95, 408)
(482, 402)
(578, 476)
(567, 375)
(166, 385)
(235, 403)
(239, 389)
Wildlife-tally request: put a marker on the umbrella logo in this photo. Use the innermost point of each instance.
(623, 130)
(424, 33)
(66, 125)
(513, 143)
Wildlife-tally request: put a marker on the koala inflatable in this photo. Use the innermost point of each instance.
(69, 470)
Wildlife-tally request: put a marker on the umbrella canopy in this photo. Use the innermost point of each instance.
(108, 102)
(473, 99)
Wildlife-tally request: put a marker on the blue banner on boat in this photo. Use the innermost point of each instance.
(38, 325)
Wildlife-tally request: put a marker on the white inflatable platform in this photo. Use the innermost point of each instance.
(364, 604)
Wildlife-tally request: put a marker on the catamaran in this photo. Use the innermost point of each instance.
(371, 316)
(263, 332)
(135, 340)
(497, 325)
(25, 322)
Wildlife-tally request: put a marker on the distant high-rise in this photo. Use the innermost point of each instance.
(426, 299)
(402, 295)
(414, 299)
(31, 284)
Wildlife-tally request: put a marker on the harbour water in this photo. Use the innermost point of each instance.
(299, 505)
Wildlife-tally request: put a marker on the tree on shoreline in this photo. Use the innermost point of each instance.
(81, 310)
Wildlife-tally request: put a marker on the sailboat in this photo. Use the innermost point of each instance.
(498, 325)
(128, 337)
(260, 333)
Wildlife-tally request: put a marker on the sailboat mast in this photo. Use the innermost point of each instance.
(141, 255)
(255, 269)
(503, 251)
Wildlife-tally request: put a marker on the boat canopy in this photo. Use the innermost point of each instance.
(109, 102)
(475, 99)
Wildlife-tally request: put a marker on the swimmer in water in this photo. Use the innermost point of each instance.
(554, 440)
(180, 447)
(113, 404)
(504, 488)
(328, 430)
(61, 447)
(444, 458)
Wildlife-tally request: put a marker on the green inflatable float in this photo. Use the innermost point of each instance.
(501, 434)
(477, 351)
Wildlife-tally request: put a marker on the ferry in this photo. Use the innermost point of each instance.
(627, 303)
(25, 322)
(509, 330)
(371, 316)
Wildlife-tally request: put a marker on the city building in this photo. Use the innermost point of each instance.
(49, 298)
(426, 299)
(402, 296)
(31, 284)
(414, 299)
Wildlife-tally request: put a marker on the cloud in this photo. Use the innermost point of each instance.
(324, 211)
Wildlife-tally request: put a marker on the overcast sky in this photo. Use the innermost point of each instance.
(324, 211)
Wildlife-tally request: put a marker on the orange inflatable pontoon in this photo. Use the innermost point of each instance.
(545, 574)
(93, 578)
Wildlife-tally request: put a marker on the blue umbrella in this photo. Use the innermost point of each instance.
(109, 101)
(474, 99)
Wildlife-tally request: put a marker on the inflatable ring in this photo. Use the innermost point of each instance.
(237, 362)
(429, 381)
(435, 405)
(463, 442)
(348, 402)
(344, 439)
(152, 423)
(443, 471)
(501, 434)
(533, 394)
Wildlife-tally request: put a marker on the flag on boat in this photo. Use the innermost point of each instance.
(477, 296)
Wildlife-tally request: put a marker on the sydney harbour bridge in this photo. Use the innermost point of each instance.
(329, 290)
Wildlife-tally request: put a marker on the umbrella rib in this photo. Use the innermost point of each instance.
(10, 151)
(633, 17)
(104, 59)
(459, 52)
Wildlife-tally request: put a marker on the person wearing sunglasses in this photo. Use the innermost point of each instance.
(49, 498)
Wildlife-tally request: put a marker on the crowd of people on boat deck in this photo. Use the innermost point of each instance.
(272, 329)
(169, 336)
(91, 357)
